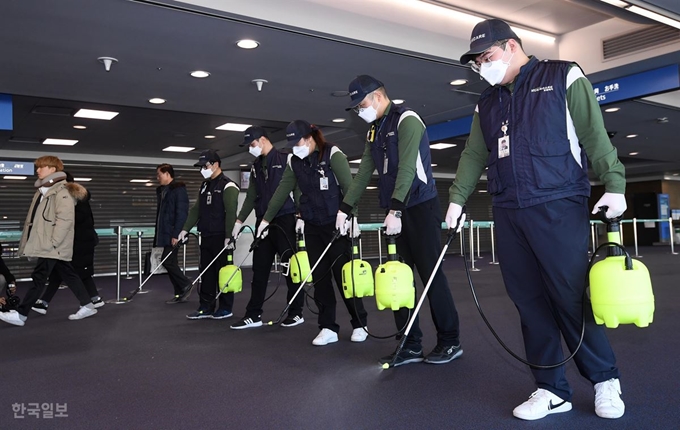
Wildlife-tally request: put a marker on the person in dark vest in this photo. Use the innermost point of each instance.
(47, 238)
(215, 213)
(398, 147)
(322, 173)
(265, 175)
(535, 128)
(172, 205)
(8, 284)
(85, 239)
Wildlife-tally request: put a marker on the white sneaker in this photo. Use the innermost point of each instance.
(83, 312)
(13, 317)
(359, 334)
(325, 337)
(540, 404)
(608, 403)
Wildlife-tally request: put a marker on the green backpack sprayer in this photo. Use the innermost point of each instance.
(230, 278)
(394, 287)
(620, 287)
(299, 263)
(357, 275)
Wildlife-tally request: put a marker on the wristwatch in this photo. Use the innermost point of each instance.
(397, 214)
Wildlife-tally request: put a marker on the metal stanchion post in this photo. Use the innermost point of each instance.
(379, 247)
(139, 258)
(472, 247)
(493, 245)
(361, 251)
(635, 238)
(119, 268)
(276, 264)
(460, 236)
(184, 258)
(479, 256)
(621, 233)
(670, 226)
(127, 257)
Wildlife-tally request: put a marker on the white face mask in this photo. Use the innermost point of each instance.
(301, 151)
(494, 71)
(255, 151)
(207, 173)
(368, 114)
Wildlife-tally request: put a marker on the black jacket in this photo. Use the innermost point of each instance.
(4, 270)
(172, 208)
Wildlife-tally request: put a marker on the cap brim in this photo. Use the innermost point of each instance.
(291, 144)
(354, 103)
(244, 143)
(473, 53)
(199, 164)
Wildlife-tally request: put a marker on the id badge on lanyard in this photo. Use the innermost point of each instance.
(504, 142)
(323, 181)
(208, 199)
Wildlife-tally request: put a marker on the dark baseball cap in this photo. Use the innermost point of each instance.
(253, 133)
(298, 129)
(360, 87)
(484, 35)
(208, 156)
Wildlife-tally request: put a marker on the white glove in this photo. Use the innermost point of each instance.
(261, 232)
(300, 226)
(229, 244)
(340, 223)
(393, 224)
(236, 232)
(182, 235)
(452, 214)
(616, 204)
(354, 228)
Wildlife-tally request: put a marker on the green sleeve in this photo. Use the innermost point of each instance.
(471, 164)
(342, 173)
(410, 132)
(360, 182)
(592, 135)
(230, 199)
(286, 186)
(192, 217)
(249, 202)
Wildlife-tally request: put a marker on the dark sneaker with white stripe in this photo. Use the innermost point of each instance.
(40, 307)
(292, 321)
(247, 323)
(405, 356)
(200, 314)
(443, 354)
(540, 404)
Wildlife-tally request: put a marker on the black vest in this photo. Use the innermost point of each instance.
(267, 180)
(211, 210)
(385, 151)
(541, 166)
(317, 206)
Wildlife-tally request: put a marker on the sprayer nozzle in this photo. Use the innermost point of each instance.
(270, 323)
(386, 365)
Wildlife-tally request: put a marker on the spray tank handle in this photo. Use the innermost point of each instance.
(614, 222)
(300, 241)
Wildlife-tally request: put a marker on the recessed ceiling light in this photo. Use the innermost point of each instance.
(633, 153)
(340, 93)
(630, 136)
(482, 191)
(398, 101)
(149, 184)
(140, 181)
(458, 82)
(338, 120)
(19, 178)
(243, 165)
(209, 136)
(63, 142)
(434, 165)
(232, 126)
(79, 127)
(95, 114)
(156, 101)
(676, 174)
(356, 161)
(247, 44)
(179, 148)
(371, 188)
(200, 74)
(82, 179)
(443, 145)
(614, 109)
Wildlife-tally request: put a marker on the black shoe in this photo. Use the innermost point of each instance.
(292, 321)
(406, 356)
(246, 322)
(40, 307)
(186, 292)
(174, 300)
(443, 354)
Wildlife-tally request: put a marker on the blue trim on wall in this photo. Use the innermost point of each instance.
(6, 122)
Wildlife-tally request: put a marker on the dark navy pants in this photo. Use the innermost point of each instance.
(543, 254)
